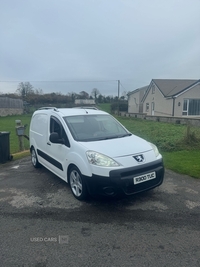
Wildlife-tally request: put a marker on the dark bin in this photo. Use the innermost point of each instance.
(4, 147)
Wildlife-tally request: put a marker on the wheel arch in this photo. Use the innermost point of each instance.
(80, 163)
(31, 147)
(71, 165)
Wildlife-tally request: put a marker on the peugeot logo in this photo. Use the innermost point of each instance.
(139, 158)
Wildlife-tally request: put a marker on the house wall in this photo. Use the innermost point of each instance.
(193, 93)
(163, 107)
(133, 103)
(85, 101)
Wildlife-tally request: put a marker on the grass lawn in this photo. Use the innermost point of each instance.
(7, 124)
(180, 149)
(180, 153)
(185, 162)
(167, 136)
(105, 107)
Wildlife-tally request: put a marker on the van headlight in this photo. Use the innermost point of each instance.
(99, 159)
(155, 149)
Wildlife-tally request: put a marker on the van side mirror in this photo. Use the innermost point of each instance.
(54, 138)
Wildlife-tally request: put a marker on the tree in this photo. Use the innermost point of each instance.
(72, 96)
(25, 89)
(38, 91)
(100, 98)
(95, 93)
(124, 96)
(84, 95)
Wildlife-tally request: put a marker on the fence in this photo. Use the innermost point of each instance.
(10, 106)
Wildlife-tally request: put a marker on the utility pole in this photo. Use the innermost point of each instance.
(118, 96)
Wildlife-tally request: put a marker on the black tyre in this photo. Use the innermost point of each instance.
(77, 184)
(34, 159)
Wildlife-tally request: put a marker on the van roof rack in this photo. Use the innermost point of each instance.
(54, 108)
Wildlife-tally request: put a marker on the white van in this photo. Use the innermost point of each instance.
(93, 152)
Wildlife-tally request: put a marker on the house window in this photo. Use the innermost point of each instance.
(191, 107)
(147, 107)
(153, 89)
(152, 108)
(185, 107)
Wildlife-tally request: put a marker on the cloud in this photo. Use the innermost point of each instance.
(131, 41)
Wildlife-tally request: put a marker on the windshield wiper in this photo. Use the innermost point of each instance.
(114, 136)
(124, 135)
(108, 137)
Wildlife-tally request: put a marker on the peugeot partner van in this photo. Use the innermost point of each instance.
(93, 152)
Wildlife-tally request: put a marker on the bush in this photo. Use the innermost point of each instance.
(122, 105)
(190, 136)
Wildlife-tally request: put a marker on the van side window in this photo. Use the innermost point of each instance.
(56, 127)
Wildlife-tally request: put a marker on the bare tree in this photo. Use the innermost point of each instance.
(72, 96)
(25, 89)
(95, 93)
(38, 91)
(84, 95)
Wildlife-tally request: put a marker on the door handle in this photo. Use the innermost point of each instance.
(48, 143)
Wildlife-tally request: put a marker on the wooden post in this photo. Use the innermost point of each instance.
(21, 143)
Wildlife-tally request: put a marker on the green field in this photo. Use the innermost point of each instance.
(180, 149)
(8, 124)
(179, 145)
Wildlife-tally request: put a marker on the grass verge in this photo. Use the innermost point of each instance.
(7, 124)
(184, 162)
(21, 155)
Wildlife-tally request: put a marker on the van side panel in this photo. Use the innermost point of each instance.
(38, 130)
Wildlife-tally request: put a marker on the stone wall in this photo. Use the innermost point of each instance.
(10, 111)
(176, 120)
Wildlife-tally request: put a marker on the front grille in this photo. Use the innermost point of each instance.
(130, 188)
(125, 177)
(139, 170)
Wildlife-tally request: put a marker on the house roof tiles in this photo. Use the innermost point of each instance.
(170, 87)
(141, 89)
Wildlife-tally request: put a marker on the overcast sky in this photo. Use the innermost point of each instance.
(75, 45)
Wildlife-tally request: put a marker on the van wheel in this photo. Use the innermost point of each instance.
(34, 159)
(77, 184)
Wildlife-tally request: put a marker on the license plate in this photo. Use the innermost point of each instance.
(144, 178)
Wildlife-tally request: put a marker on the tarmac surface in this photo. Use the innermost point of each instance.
(42, 224)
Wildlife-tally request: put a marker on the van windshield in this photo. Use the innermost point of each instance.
(87, 128)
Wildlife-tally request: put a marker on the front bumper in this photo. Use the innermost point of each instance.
(122, 180)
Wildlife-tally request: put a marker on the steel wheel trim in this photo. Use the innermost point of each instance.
(76, 183)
